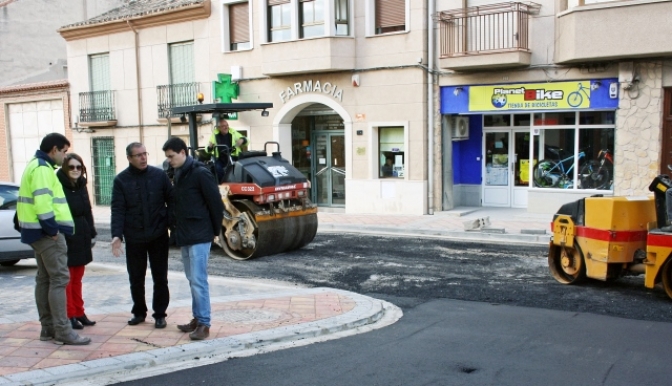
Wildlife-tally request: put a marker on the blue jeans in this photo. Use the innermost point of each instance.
(195, 259)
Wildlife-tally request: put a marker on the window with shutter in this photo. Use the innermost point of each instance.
(312, 18)
(390, 16)
(182, 63)
(279, 20)
(100, 72)
(239, 26)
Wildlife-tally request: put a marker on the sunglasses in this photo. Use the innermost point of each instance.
(75, 167)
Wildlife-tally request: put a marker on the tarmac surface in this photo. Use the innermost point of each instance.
(249, 316)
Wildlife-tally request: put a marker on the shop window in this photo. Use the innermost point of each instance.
(497, 120)
(279, 20)
(554, 119)
(312, 18)
(597, 118)
(391, 152)
(575, 158)
(239, 26)
(521, 119)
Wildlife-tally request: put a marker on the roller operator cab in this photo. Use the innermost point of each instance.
(605, 238)
(266, 205)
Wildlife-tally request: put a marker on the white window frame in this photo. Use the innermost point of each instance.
(370, 19)
(374, 145)
(329, 20)
(224, 25)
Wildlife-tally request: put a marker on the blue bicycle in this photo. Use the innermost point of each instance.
(556, 174)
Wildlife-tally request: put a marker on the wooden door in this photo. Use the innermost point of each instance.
(666, 151)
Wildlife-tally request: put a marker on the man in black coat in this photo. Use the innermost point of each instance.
(198, 213)
(141, 209)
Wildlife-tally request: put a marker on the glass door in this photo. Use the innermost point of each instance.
(329, 166)
(507, 167)
(498, 169)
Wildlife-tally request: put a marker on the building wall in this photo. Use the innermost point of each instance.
(38, 111)
(29, 33)
(639, 129)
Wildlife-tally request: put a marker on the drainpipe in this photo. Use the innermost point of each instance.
(430, 106)
(141, 129)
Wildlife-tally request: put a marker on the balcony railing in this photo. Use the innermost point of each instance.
(486, 29)
(176, 95)
(96, 106)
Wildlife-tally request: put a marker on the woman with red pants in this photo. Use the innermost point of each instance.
(73, 178)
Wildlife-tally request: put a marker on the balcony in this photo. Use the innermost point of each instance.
(308, 55)
(493, 36)
(613, 30)
(96, 109)
(175, 95)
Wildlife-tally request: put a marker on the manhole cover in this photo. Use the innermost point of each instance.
(249, 316)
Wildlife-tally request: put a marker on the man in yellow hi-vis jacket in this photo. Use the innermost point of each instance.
(44, 216)
(224, 135)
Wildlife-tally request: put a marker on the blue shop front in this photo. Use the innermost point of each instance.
(531, 145)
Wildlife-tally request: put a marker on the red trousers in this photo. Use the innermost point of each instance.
(73, 292)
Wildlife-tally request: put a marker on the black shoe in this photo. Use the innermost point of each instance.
(75, 324)
(136, 320)
(85, 321)
(160, 323)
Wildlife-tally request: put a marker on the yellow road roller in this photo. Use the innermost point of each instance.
(605, 238)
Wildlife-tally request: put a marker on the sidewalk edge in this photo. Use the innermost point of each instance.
(368, 314)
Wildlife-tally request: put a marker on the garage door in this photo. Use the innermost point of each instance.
(28, 124)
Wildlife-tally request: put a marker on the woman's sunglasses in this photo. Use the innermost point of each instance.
(75, 167)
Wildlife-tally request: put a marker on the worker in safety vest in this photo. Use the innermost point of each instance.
(44, 217)
(224, 135)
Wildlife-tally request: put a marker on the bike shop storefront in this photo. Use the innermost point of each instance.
(536, 145)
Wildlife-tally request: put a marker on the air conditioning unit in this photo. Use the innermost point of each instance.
(460, 128)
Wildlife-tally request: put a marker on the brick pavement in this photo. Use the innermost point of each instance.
(251, 315)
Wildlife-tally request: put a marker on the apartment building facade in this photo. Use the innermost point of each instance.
(392, 106)
(552, 101)
(347, 79)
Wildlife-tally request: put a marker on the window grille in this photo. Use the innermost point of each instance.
(104, 169)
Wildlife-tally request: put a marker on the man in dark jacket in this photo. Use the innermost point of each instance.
(141, 206)
(198, 213)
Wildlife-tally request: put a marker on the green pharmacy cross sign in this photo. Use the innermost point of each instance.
(224, 90)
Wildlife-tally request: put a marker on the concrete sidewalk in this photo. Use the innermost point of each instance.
(248, 317)
(504, 225)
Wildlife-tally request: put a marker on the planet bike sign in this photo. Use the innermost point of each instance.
(571, 95)
(535, 96)
(311, 86)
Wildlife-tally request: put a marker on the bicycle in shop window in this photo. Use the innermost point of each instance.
(597, 174)
(593, 174)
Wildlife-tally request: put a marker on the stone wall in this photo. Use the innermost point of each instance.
(638, 128)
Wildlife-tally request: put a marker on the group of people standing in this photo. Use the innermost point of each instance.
(55, 218)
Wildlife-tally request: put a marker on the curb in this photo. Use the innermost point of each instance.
(368, 314)
(484, 236)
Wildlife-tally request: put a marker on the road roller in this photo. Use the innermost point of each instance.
(267, 209)
(605, 238)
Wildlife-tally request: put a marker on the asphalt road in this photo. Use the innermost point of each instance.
(449, 342)
(411, 271)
